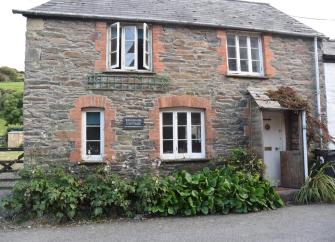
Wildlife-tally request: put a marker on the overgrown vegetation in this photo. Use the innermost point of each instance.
(319, 187)
(61, 194)
(244, 160)
(289, 98)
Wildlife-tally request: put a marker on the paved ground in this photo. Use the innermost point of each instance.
(295, 223)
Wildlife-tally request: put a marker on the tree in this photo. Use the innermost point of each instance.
(11, 104)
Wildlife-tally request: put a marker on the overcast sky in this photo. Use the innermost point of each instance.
(12, 38)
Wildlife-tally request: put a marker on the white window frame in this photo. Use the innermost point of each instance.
(92, 158)
(238, 58)
(109, 47)
(120, 65)
(146, 62)
(183, 156)
(123, 49)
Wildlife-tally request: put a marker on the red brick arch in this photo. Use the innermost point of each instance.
(76, 116)
(185, 101)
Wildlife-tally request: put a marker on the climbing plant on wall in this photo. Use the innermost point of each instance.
(289, 98)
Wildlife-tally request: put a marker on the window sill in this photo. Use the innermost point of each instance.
(128, 72)
(247, 76)
(185, 160)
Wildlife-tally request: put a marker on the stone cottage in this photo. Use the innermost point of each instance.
(158, 85)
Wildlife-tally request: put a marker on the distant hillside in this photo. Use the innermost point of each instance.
(8, 74)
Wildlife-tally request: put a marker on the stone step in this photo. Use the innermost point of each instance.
(7, 184)
(287, 194)
(9, 176)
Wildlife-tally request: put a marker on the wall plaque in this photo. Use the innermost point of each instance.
(133, 123)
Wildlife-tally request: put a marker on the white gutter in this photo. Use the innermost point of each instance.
(317, 83)
(304, 142)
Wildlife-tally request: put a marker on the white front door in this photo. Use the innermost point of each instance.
(274, 142)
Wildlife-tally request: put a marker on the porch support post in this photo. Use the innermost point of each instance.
(304, 142)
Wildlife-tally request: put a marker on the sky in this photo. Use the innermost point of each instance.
(12, 38)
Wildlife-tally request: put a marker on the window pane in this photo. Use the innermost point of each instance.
(113, 58)
(254, 54)
(254, 42)
(113, 44)
(182, 119)
(182, 146)
(244, 53)
(196, 132)
(92, 148)
(243, 41)
(93, 133)
(231, 52)
(182, 132)
(130, 60)
(196, 146)
(167, 132)
(130, 33)
(130, 47)
(168, 147)
(256, 66)
(93, 118)
(195, 118)
(231, 40)
(167, 118)
(114, 31)
(244, 65)
(232, 64)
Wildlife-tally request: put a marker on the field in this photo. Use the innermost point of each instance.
(17, 86)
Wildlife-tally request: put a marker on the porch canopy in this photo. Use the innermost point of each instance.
(263, 101)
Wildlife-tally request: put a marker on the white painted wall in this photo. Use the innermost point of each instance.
(330, 88)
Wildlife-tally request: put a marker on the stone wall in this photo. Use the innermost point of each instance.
(60, 54)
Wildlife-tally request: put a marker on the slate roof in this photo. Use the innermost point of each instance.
(329, 48)
(230, 14)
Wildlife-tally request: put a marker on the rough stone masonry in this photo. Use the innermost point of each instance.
(61, 53)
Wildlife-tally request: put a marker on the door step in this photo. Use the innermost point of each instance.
(287, 194)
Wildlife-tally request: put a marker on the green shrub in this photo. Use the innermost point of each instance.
(53, 192)
(105, 193)
(245, 160)
(58, 193)
(11, 104)
(209, 191)
(319, 187)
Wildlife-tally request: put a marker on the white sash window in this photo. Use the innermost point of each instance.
(245, 55)
(182, 134)
(93, 135)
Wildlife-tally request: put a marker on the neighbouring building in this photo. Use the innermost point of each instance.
(150, 85)
(329, 68)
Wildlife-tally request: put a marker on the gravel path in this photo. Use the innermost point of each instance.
(294, 223)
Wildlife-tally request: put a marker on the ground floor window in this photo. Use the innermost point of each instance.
(182, 134)
(93, 135)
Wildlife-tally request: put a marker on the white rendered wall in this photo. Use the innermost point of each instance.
(330, 87)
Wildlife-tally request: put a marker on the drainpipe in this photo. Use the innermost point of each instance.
(317, 83)
(304, 142)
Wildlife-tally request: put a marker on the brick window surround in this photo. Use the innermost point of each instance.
(101, 102)
(184, 101)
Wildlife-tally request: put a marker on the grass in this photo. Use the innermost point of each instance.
(17, 86)
(9, 155)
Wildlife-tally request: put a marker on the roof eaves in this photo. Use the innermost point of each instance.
(35, 13)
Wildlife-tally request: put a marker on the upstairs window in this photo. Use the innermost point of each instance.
(182, 134)
(245, 54)
(129, 47)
